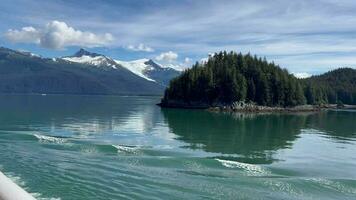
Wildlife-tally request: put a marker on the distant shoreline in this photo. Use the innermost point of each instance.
(78, 94)
(251, 108)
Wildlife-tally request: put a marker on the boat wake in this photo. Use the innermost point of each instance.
(50, 139)
(126, 149)
(250, 169)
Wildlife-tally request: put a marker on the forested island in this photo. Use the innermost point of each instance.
(237, 81)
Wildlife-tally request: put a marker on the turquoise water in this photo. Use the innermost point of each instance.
(103, 147)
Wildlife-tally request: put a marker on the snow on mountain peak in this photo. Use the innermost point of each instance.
(86, 57)
(144, 68)
(137, 67)
(97, 60)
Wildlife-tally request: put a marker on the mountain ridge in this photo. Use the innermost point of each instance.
(23, 73)
(144, 68)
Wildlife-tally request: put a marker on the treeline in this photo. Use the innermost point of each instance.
(229, 77)
(334, 87)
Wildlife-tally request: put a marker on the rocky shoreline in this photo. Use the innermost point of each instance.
(251, 107)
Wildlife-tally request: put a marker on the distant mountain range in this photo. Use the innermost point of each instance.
(82, 73)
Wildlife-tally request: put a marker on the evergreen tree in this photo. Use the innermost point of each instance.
(229, 77)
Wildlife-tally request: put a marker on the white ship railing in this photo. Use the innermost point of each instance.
(10, 191)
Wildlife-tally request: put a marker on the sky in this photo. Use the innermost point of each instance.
(305, 36)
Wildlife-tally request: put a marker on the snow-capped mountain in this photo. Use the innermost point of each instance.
(144, 68)
(82, 73)
(138, 67)
(94, 59)
(150, 70)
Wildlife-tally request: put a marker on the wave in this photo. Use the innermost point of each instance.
(87, 147)
(126, 149)
(51, 139)
(251, 169)
(74, 144)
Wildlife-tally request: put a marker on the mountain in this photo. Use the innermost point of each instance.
(83, 52)
(144, 68)
(336, 86)
(21, 72)
(150, 70)
(93, 59)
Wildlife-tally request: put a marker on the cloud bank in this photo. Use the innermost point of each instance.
(58, 35)
(140, 47)
(310, 36)
(169, 56)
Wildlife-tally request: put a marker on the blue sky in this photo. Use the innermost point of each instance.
(304, 36)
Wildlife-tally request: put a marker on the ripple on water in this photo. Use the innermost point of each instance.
(333, 185)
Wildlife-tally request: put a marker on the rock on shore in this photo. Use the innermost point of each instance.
(239, 107)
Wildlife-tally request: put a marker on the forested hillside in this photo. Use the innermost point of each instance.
(337, 86)
(229, 77)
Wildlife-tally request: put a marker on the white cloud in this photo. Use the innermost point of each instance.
(25, 35)
(140, 47)
(178, 67)
(58, 35)
(169, 56)
(294, 34)
(302, 75)
(187, 60)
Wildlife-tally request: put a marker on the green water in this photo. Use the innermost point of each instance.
(97, 147)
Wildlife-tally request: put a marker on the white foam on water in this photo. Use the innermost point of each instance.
(163, 147)
(45, 138)
(126, 149)
(251, 169)
(16, 179)
(39, 196)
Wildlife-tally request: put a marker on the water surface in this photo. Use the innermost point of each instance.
(106, 147)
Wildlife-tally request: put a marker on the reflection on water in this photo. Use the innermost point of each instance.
(107, 147)
(253, 135)
(338, 124)
(79, 115)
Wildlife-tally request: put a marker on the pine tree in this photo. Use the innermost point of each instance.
(229, 77)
